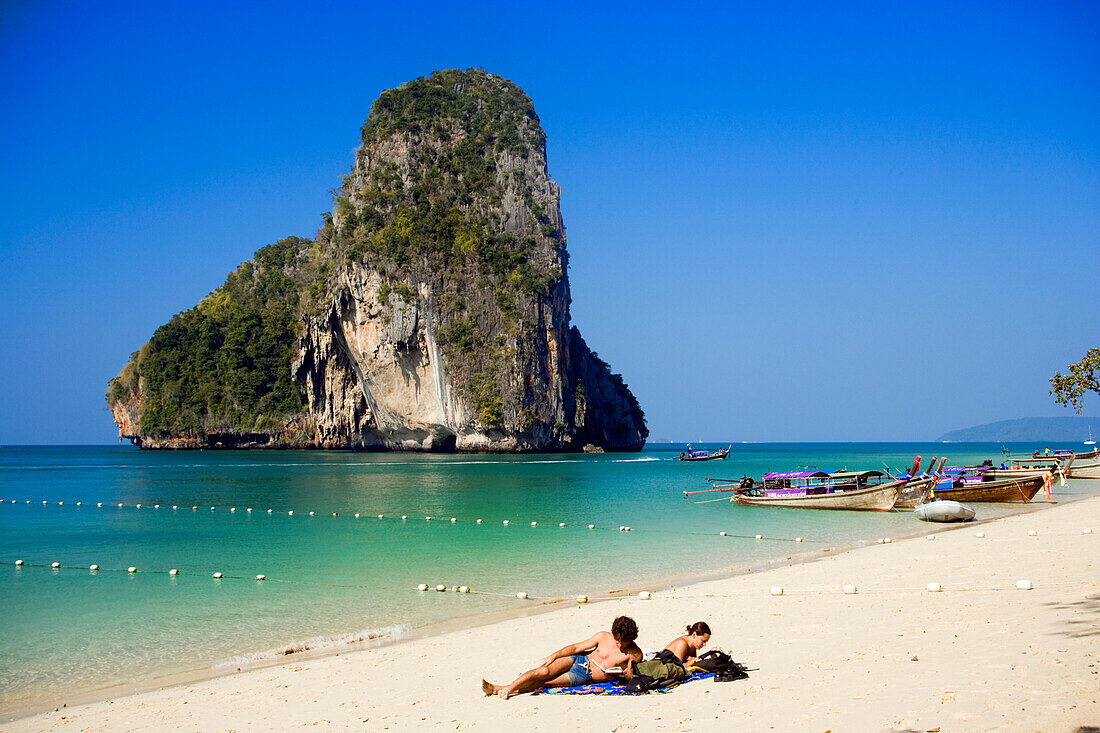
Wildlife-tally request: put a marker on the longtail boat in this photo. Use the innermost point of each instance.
(981, 488)
(847, 490)
(702, 455)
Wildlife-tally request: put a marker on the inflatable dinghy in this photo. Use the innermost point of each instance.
(944, 510)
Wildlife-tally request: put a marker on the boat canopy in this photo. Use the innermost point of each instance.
(797, 474)
(855, 474)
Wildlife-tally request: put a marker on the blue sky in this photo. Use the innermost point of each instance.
(786, 221)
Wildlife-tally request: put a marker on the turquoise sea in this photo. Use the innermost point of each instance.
(330, 579)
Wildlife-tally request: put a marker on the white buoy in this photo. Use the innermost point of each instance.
(249, 510)
(211, 508)
(441, 588)
(55, 565)
(357, 515)
(312, 513)
(506, 521)
(194, 508)
(934, 587)
(18, 562)
(979, 535)
(45, 502)
(269, 511)
(628, 529)
(777, 590)
(335, 514)
(422, 586)
(427, 519)
(99, 503)
(463, 589)
(381, 516)
(1023, 584)
(174, 507)
(290, 513)
(521, 595)
(131, 569)
(721, 534)
(591, 526)
(454, 589)
(759, 536)
(454, 519)
(534, 524)
(1032, 533)
(156, 506)
(61, 503)
(582, 599)
(797, 539)
(173, 571)
(78, 503)
(645, 595)
(93, 567)
(136, 506)
(561, 524)
(479, 521)
(261, 577)
(849, 589)
(232, 509)
(404, 516)
(1087, 530)
(218, 576)
(930, 537)
(886, 540)
(622, 528)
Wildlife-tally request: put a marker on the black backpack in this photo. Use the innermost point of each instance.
(723, 666)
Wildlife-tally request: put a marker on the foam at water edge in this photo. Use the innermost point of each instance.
(385, 633)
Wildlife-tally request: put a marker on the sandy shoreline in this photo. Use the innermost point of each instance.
(988, 656)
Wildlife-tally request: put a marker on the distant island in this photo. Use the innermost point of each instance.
(1053, 429)
(429, 312)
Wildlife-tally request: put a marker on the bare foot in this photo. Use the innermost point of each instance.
(488, 688)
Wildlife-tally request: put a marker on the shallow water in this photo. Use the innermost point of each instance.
(334, 578)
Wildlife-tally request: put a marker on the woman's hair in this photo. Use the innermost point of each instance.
(699, 628)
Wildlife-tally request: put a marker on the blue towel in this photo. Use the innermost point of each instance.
(616, 688)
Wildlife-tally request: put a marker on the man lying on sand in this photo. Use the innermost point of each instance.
(604, 656)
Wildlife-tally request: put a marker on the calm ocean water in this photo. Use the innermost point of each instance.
(70, 629)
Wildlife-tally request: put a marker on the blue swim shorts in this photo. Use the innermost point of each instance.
(578, 673)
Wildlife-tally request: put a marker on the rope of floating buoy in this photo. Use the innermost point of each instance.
(561, 525)
(133, 570)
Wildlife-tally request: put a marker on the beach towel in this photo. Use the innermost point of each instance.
(617, 688)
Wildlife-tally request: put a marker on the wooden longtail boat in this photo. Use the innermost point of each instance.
(848, 490)
(984, 489)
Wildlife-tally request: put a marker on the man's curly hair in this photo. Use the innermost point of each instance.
(624, 629)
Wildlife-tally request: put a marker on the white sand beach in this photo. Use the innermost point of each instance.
(980, 655)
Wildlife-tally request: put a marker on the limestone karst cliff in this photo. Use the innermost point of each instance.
(430, 312)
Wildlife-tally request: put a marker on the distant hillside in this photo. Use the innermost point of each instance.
(1053, 429)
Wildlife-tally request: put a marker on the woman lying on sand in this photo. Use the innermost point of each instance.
(603, 656)
(686, 647)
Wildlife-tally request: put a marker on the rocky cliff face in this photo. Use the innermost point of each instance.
(434, 303)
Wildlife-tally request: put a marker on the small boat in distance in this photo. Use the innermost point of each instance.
(702, 455)
(1091, 440)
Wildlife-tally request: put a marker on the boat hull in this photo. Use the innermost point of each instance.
(913, 493)
(944, 511)
(874, 498)
(1091, 470)
(1014, 489)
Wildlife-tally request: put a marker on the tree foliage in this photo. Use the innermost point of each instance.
(224, 365)
(1084, 376)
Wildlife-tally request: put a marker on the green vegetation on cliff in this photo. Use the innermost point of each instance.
(224, 365)
(463, 139)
